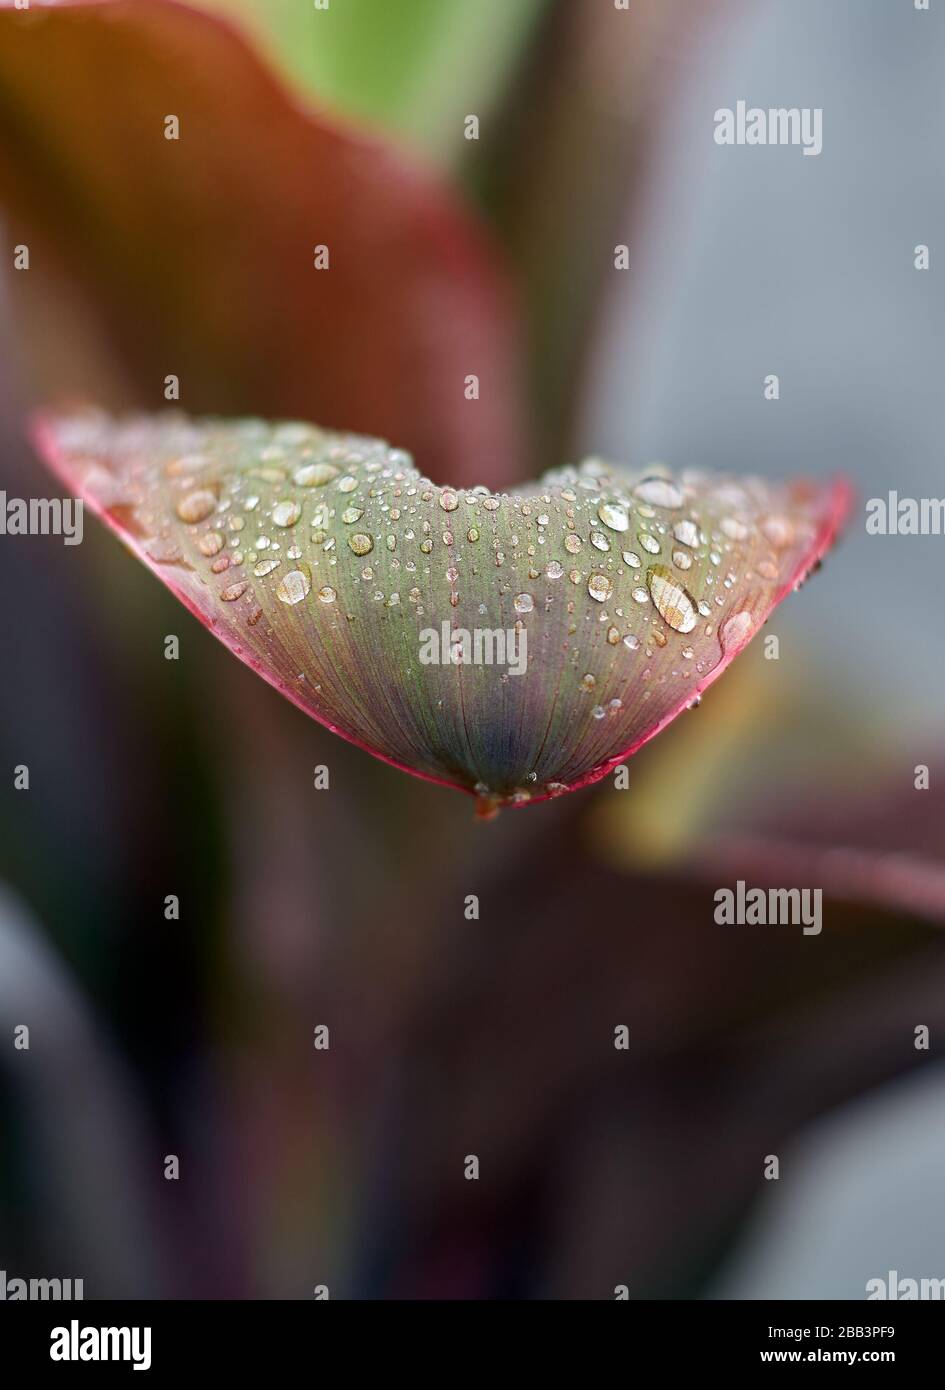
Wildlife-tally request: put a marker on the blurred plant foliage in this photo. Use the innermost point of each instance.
(414, 67)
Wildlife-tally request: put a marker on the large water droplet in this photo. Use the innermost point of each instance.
(295, 586)
(674, 605)
(778, 530)
(196, 506)
(315, 474)
(286, 513)
(524, 603)
(659, 492)
(599, 587)
(613, 516)
(211, 543)
(360, 543)
(736, 630)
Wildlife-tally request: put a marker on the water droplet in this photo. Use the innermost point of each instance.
(733, 528)
(472, 534)
(554, 570)
(352, 514)
(599, 540)
(196, 506)
(641, 596)
(613, 516)
(778, 530)
(632, 559)
(631, 642)
(659, 492)
(736, 630)
(649, 543)
(286, 513)
(598, 711)
(326, 594)
(687, 533)
(682, 559)
(449, 501)
(315, 474)
(164, 550)
(572, 543)
(233, 591)
(674, 605)
(295, 586)
(599, 587)
(524, 603)
(211, 543)
(360, 543)
(347, 483)
(588, 682)
(613, 636)
(266, 567)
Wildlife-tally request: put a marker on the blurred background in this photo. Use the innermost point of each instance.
(599, 1167)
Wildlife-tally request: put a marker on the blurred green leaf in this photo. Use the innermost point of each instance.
(415, 67)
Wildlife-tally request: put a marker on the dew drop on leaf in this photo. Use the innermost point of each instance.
(196, 506)
(294, 586)
(286, 513)
(674, 605)
(659, 492)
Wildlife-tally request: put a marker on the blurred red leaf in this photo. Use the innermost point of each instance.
(200, 252)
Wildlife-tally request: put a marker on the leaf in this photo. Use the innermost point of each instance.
(416, 67)
(198, 253)
(596, 604)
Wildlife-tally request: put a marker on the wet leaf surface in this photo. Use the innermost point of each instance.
(514, 645)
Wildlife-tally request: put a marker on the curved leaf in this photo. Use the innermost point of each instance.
(334, 569)
(199, 251)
